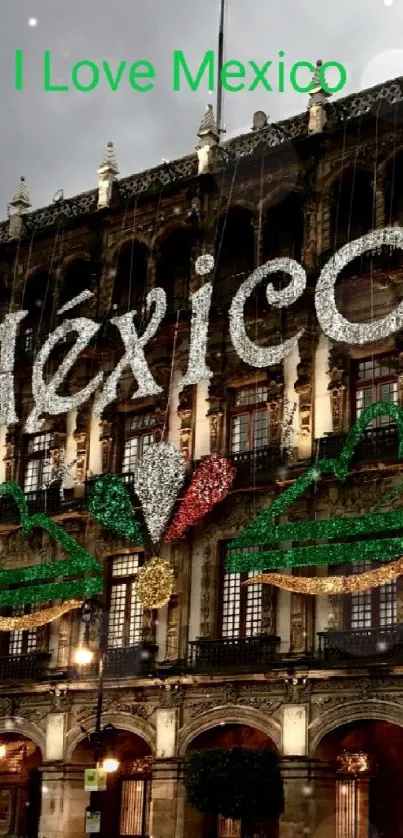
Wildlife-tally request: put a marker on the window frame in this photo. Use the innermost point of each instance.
(137, 434)
(366, 383)
(375, 602)
(42, 455)
(248, 410)
(241, 633)
(129, 580)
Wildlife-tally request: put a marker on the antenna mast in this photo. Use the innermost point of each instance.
(220, 66)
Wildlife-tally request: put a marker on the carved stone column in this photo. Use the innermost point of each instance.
(10, 458)
(216, 413)
(275, 406)
(106, 438)
(337, 372)
(178, 608)
(310, 232)
(80, 437)
(185, 413)
(304, 389)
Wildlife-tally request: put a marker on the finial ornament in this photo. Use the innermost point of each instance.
(317, 102)
(107, 175)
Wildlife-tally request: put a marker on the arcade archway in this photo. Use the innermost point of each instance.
(125, 804)
(366, 758)
(20, 785)
(226, 736)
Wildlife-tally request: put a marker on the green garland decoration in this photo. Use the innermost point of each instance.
(263, 531)
(109, 503)
(240, 783)
(78, 563)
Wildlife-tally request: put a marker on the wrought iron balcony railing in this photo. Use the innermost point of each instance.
(134, 661)
(246, 653)
(258, 465)
(377, 645)
(43, 500)
(376, 444)
(30, 667)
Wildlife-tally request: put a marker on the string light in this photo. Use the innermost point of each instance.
(158, 478)
(331, 584)
(210, 484)
(249, 352)
(334, 325)
(38, 618)
(264, 531)
(155, 581)
(109, 503)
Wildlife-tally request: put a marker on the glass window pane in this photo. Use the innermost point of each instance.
(240, 433)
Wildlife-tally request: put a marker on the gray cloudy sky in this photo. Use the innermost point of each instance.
(57, 140)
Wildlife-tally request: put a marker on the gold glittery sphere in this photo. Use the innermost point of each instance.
(155, 583)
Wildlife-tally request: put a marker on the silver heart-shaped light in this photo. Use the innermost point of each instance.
(158, 477)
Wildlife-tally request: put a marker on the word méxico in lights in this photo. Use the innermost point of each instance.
(333, 324)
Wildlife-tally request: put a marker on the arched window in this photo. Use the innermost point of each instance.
(235, 252)
(173, 269)
(76, 279)
(38, 301)
(283, 228)
(352, 207)
(129, 288)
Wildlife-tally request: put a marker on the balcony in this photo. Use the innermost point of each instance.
(43, 500)
(376, 444)
(137, 661)
(226, 653)
(29, 667)
(361, 646)
(258, 465)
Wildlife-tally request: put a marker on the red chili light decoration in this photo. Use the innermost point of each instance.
(210, 484)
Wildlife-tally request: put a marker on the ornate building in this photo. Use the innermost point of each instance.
(319, 678)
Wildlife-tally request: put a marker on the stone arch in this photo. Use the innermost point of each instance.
(277, 189)
(230, 714)
(79, 255)
(328, 181)
(167, 229)
(346, 713)
(125, 240)
(123, 721)
(25, 728)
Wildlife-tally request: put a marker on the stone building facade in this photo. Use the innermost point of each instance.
(315, 677)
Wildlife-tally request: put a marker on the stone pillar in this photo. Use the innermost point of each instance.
(185, 413)
(337, 372)
(53, 809)
(309, 791)
(295, 729)
(164, 792)
(76, 800)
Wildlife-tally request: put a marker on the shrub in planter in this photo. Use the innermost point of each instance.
(238, 783)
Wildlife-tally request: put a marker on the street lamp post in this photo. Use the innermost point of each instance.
(92, 610)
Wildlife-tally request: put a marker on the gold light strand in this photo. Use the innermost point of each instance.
(39, 618)
(331, 584)
(155, 583)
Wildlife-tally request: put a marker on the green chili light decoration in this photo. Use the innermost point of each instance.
(263, 530)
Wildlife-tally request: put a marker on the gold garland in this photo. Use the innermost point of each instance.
(38, 618)
(331, 584)
(155, 582)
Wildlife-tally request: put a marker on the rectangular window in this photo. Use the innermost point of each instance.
(375, 608)
(134, 808)
(125, 609)
(22, 642)
(376, 381)
(241, 607)
(249, 419)
(37, 465)
(228, 828)
(138, 433)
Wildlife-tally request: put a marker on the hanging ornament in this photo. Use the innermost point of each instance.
(204, 264)
(109, 503)
(60, 472)
(331, 585)
(158, 478)
(264, 531)
(210, 484)
(155, 582)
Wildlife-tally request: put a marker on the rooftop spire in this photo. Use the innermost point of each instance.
(107, 175)
(21, 201)
(209, 138)
(109, 161)
(317, 103)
